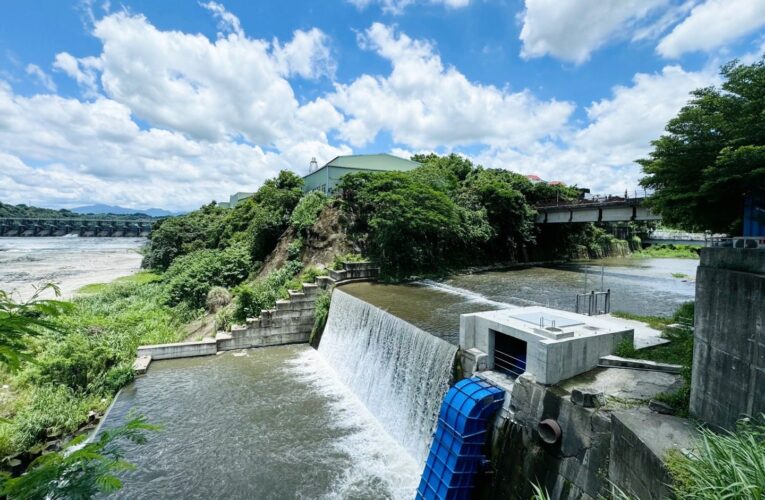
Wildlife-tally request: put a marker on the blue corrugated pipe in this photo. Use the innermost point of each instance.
(457, 449)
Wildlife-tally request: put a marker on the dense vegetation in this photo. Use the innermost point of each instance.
(26, 211)
(725, 465)
(713, 154)
(82, 359)
(670, 251)
(448, 212)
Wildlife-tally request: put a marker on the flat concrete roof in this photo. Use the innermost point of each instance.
(567, 324)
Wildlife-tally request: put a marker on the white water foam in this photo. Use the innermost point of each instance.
(476, 297)
(376, 455)
(398, 371)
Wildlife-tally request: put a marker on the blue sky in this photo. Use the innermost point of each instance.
(175, 103)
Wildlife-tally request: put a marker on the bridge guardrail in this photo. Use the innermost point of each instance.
(740, 242)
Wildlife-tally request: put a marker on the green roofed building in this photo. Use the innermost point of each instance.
(326, 178)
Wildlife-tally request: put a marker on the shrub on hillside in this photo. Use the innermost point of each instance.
(81, 363)
(176, 236)
(307, 211)
(252, 298)
(191, 276)
(217, 298)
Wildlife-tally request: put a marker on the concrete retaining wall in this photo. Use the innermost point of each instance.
(640, 441)
(597, 448)
(729, 339)
(355, 271)
(179, 350)
(290, 322)
(572, 468)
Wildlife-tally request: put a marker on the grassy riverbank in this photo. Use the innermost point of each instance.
(78, 372)
(668, 252)
(678, 351)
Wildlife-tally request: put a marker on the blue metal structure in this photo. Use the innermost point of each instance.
(456, 453)
(754, 215)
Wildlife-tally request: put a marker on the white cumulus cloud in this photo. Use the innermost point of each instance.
(398, 6)
(215, 117)
(41, 77)
(572, 29)
(600, 154)
(425, 104)
(713, 24)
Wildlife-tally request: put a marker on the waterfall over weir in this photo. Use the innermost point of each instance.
(398, 371)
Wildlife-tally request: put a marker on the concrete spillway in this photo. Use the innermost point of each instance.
(398, 371)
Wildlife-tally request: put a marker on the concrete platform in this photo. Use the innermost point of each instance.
(645, 336)
(550, 344)
(625, 383)
(141, 365)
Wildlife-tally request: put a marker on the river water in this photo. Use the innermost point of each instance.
(69, 261)
(273, 423)
(638, 286)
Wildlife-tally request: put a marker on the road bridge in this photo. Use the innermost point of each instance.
(595, 209)
(28, 226)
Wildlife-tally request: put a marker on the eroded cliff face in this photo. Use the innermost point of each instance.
(326, 239)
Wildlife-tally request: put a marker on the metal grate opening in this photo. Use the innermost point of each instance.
(509, 355)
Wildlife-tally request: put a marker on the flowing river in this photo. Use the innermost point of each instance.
(654, 287)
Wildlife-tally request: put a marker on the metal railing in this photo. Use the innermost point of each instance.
(593, 303)
(508, 364)
(599, 199)
(740, 242)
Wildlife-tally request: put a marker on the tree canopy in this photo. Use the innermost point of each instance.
(713, 154)
(447, 212)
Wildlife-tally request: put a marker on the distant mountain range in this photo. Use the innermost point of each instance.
(115, 210)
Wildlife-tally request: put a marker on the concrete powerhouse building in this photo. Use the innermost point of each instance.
(326, 178)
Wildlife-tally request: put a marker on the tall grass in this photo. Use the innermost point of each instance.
(678, 351)
(730, 465)
(78, 367)
(668, 252)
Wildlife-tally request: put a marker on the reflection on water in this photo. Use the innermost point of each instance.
(639, 286)
(273, 423)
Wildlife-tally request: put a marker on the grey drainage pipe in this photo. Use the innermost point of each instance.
(549, 431)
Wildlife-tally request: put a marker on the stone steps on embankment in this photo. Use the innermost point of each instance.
(290, 321)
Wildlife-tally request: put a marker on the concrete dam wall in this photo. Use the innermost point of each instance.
(398, 371)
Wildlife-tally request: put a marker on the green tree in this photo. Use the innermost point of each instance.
(176, 236)
(80, 471)
(408, 224)
(508, 213)
(307, 211)
(21, 320)
(713, 154)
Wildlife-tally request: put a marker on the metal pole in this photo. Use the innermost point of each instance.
(585, 280)
(602, 271)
